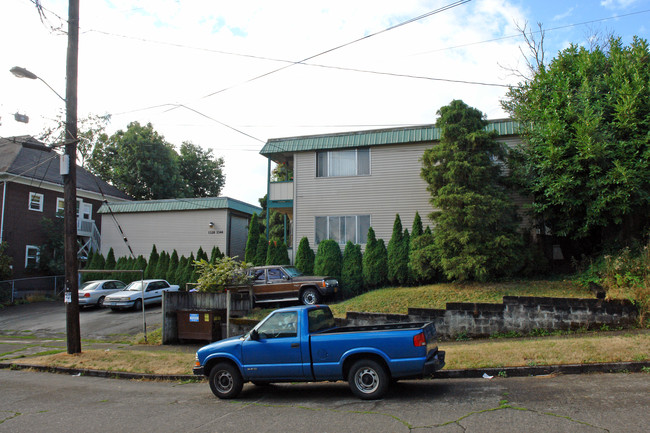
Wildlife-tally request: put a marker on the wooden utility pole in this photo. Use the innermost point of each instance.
(70, 183)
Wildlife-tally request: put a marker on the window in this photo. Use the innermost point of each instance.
(36, 201)
(279, 325)
(343, 228)
(275, 274)
(32, 254)
(354, 162)
(60, 207)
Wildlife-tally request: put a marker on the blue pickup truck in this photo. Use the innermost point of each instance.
(303, 344)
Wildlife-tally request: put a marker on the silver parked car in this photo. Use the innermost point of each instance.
(131, 296)
(94, 292)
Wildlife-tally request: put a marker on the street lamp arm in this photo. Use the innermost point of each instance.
(24, 73)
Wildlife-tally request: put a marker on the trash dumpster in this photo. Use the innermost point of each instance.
(200, 324)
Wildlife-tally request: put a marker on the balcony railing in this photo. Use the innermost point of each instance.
(281, 191)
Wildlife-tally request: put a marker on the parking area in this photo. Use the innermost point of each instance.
(48, 320)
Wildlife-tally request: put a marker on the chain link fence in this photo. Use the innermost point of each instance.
(13, 290)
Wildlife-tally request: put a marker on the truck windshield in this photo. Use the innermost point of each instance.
(320, 319)
(292, 271)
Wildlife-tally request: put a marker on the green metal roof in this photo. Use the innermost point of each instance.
(411, 134)
(180, 204)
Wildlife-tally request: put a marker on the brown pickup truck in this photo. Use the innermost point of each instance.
(286, 283)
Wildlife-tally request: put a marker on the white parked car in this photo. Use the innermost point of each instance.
(131, 297)
(94, 292)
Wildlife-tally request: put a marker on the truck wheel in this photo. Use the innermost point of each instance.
(310, 297)
(137, 305)
(225, 381)
(368, 379)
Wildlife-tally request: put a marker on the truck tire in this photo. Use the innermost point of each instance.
(310, 296)
(368, 379)
(225, 381)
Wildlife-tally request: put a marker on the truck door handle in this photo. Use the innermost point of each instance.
(295, 345)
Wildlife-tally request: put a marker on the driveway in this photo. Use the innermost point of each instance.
(48, 320)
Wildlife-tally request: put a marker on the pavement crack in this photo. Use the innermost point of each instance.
(11, 416)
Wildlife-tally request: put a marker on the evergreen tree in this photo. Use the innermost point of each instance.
(171, 269)
(201, 255)
(352, 270)
(424, 263)
(261, 253)
(476, 227)
(121, 264)
(375, 262)
(163, 265)
(215, 255)
(179, 277)
(328, 259)
(405, 275)
(110, 263)
(190, 276)
(282, 254)
(417, 226)
(139, 265)
(252, 240)
(152, 263)
(305, 257)
(397, 260)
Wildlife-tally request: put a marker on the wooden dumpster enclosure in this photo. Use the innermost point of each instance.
(200, 310)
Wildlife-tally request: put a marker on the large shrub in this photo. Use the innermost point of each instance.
(328, 259)
(375, 262)
(352, 270)
(215, 277)
(305, 257)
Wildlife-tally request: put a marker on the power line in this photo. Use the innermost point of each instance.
(409, 21)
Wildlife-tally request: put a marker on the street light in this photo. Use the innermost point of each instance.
(24, 73)
(69, 176)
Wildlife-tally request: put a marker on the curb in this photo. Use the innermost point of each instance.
(103, 373)
(545, 370)
(542, 370)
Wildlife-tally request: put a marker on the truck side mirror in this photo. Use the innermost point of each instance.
(255, 335)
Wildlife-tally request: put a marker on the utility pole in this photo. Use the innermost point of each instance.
(70, 183)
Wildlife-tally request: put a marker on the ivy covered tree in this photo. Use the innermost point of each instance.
(352, 270)
(328, 259)
(305, 257)
(375, 262)
(476, 227)
(585, 123)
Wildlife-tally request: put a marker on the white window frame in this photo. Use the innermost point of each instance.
(35, 256)
(41, 199)
(60, 207)
(330, 155)
(332, 220)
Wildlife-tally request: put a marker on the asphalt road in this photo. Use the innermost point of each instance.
(45, 402)
(48, 319)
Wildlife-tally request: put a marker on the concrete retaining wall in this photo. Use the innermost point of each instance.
(515, 314)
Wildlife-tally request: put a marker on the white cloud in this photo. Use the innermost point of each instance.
(618, 4)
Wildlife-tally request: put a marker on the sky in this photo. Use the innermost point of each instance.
(229, 75)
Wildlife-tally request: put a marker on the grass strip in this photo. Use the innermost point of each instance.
(460, 355)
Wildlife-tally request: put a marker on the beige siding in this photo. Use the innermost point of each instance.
(184, 232)
(394, 186)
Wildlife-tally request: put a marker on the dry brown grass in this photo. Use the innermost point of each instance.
(633, 346)
(548, 351)
(130, 361)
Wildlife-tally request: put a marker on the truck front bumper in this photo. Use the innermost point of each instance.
(198, 371)
(434, 363)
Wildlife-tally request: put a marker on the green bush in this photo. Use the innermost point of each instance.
(352, 270)
(375, 262)
(215, 277)
(328, 259)
(424, 263)
(252, 239)
(305, 257)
